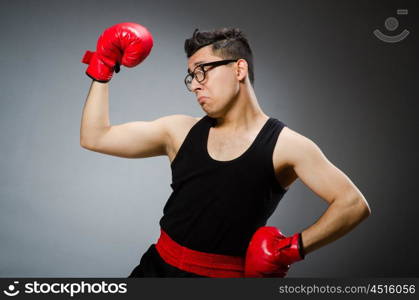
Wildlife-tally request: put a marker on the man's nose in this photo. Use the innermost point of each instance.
(195, 85)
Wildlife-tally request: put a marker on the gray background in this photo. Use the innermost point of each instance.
(66, 211)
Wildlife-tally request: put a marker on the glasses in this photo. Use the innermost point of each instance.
(199, 72)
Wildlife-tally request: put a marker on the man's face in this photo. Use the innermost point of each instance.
(220, 87)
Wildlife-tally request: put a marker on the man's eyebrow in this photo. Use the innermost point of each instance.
(199, 62)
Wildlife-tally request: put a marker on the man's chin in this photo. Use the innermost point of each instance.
(211, 114)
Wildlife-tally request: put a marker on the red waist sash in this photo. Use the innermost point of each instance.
(201, 263)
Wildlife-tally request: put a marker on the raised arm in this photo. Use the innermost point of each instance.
(124, 44)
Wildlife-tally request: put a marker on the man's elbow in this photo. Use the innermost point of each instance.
(363, 208)
(356, 206)
(84, 145)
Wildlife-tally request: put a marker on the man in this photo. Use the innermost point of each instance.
(230, 168)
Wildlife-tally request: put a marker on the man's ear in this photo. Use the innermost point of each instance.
(242, 69)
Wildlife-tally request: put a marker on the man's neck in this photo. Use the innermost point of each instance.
(244, 115)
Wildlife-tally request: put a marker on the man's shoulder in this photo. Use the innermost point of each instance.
(292, 145)
(179, 123)
(292, 137)
(177, 127)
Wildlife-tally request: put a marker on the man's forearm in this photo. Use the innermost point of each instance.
(340, 217)
(95, 118)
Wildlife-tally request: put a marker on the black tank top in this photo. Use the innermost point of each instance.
(216, 206)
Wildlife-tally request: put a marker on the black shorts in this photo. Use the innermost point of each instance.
(152, 265)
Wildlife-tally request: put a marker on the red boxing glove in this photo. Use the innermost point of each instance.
(125, 44)
(270, 253)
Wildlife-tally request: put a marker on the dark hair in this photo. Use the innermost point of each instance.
(228, 43)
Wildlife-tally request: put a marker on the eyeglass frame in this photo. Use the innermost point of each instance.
(213, 64)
